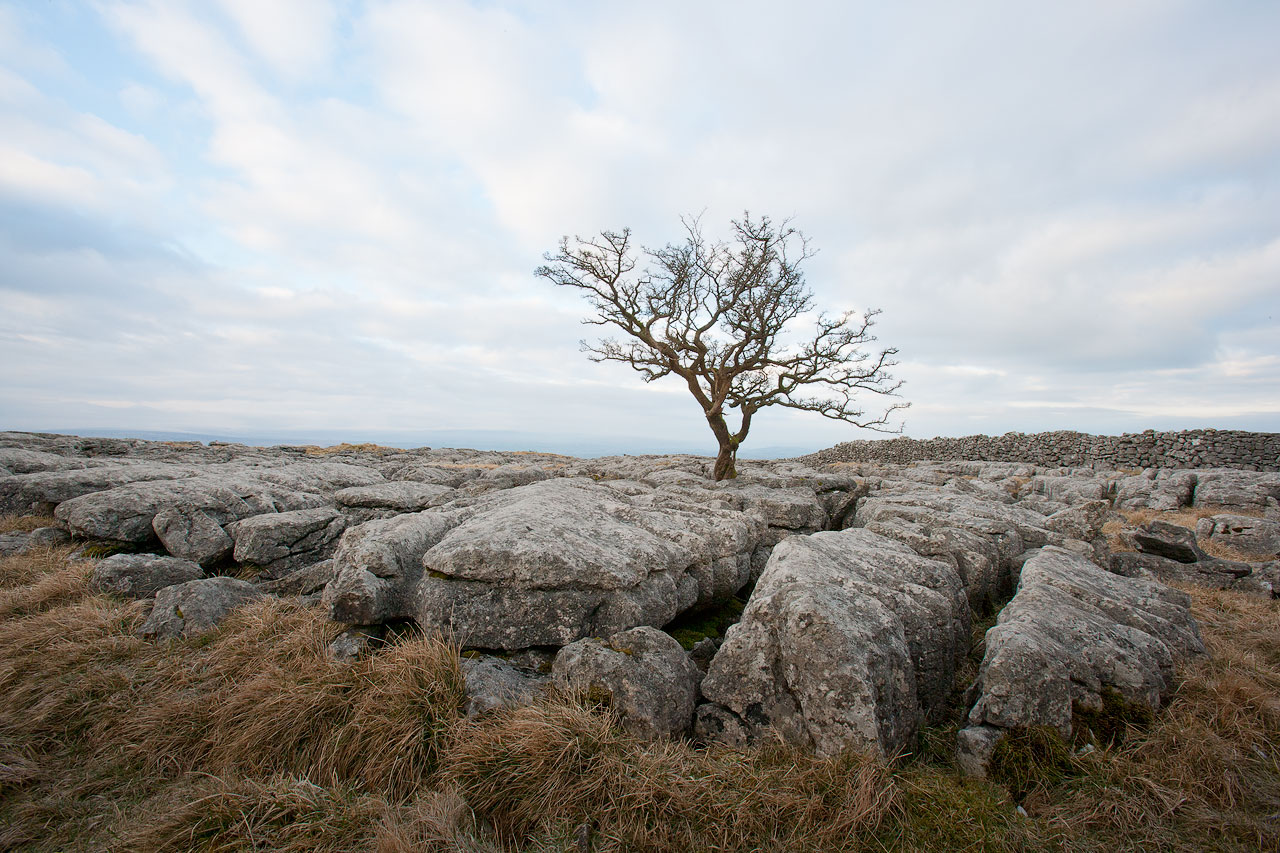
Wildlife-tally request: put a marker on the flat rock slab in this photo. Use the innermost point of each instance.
(141, 575)
(559, 560)
(1072, 631)
(39, 493)
(399, 496)
(196, 607)
(1245, 533)
(849, 639)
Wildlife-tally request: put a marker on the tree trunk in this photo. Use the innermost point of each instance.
(726, 463)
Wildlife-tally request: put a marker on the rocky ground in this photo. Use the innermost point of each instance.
(858, 584)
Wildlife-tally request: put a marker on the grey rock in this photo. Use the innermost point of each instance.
(192, 534)
(1083, 521)
(563, 559)
(512, 475)
(14, 543)
(356, 642)
(702, 653)
(649, 679)
(1211, 573)
(16, 460)
(196, 607)
(714, 723)
(1238, 489)
(848, 640)
(308, 580)
(38, 493)
(400, 496)
(49, 537)
(126, 513)
(378, 564)
(975, 747)
(280, 542)
(1168, 540)
(494, 684)
(1254, 535)
(141, 575)
(1072, 630)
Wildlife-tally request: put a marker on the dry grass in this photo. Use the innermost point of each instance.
(25, 523)
(313, 450)
(251, 739)
(1183, 517)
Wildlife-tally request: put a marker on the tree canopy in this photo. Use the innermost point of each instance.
(716, 315)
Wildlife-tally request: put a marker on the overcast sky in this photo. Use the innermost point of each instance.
(246, 217)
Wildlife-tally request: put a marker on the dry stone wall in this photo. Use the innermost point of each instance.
(1199, 448)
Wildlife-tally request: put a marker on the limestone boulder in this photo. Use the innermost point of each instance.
(1237, 489)
(1167, 540)
(1242, 532)
(1211, 573)
(281, 542)
(493, 684)
(196, 607)
(141, 575)
(1083, 521)
(307, 581)
(1072, 631)
(397, 497)
(378, 564)
(192, 534)
(559, 560)
(40, 492)
(127, 513)
(643, 674)
(849, 640)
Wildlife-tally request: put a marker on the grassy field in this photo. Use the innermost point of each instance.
(251, 739)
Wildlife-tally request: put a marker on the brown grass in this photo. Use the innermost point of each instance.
(313, 450)
(251, 739)
(25, 523)
(1184, 517)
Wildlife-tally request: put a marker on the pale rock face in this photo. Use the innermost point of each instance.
(556, 561)
(141, 575)
(377, 565)
(648, 679)
(1072, 630)
(281, 542)
(196, 607)
(1083, 521)
(1254, 535)
(404, 496)
(127, 513)
(192, 535)
(1244, 489)
(848, 640)
(39, 492)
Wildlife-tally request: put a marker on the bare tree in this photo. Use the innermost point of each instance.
(713, 313)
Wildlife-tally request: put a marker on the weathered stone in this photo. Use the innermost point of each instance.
(975, 747)
(1253, 535)
(399, 496)
(14, 543)
(280, 542)
(1211, 573)
(1083, 521)
(847, 640)
(1072, 631)
(378, 564)
(196, 607)
(356, 642)
(1241, 489)
(493, 684)
(49, 537)
(308, 580)
(643, 674)
(563, 559)
(141, 575)
(38, 493)
(192, 535)
(126, 513)
(1168, 540)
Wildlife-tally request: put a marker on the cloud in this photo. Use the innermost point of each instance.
(302, 213)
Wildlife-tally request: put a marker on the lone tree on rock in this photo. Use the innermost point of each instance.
(712, 314)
